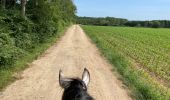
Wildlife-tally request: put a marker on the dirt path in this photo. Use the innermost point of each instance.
(71, 54)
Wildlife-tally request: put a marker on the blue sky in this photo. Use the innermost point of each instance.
(130, 9)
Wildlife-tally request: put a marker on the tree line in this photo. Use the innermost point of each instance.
(112, 21)
(25, 24)
(101, 21)
(153, 24)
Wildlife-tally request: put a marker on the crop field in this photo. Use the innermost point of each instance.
(141, 56)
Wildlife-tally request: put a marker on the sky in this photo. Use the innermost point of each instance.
(129, 9)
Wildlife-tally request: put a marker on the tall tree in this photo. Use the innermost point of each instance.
(23, 4)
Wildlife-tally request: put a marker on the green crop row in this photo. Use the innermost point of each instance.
(141, 56)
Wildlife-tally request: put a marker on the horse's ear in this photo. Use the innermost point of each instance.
(64, 82)
(86, 76)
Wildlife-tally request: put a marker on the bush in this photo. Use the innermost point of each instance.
(23, 40)
(20, 35)
(8, 52)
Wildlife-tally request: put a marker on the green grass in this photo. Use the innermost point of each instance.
(7, 74)
(140, 55)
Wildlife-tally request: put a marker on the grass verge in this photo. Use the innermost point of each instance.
(7, 74)
(141, 84)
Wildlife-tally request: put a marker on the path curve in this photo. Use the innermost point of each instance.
(71, 54)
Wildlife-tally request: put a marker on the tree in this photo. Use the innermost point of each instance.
(23, 4)
(156, 24)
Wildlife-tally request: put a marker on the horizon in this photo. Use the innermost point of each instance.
(131, 10)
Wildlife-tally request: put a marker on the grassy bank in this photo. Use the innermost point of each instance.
(10, 74)
(137, 55)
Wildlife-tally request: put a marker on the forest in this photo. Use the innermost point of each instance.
(112, 21)
(26, 24)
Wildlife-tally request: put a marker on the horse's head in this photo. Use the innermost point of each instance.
(75, 88)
